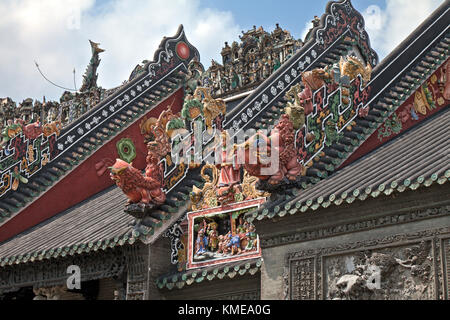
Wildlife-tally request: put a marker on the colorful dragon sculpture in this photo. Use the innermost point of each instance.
(138, 187)
(281, 152)
(280, 143)
(31, 131)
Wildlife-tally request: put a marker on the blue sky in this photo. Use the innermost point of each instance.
(55, 33)
(291, 15)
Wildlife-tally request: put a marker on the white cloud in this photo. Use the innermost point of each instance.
(55, 34)
(306, 28)
(389, 27)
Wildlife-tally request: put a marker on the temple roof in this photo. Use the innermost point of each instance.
(97, 223)
(229, 270)
(416, 159)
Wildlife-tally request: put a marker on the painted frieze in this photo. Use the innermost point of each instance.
(220, 234)
(432, 96)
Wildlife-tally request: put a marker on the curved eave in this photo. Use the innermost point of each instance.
(219, 272)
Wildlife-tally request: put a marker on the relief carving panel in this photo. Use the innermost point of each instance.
(303, 279)
(398, 267)
(392, 273)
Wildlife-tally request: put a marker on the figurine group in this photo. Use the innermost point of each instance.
(209, 241)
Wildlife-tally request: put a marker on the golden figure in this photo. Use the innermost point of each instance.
(352, 66)
(420, 102)
(201, 197)
(294, 109)
(211, 107)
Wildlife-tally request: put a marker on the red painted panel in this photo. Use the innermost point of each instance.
(413, 111)
(83, 182)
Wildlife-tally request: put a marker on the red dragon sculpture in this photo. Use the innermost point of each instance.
(137, 187)
(32, 130)
(284, 152)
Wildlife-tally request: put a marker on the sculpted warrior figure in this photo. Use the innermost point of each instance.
(280, 156)
(229, 173)
(252, 238)
(213, 236)
(201, 243)
(234, 243)
(230, 176)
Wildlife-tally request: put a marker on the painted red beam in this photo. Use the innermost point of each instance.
(83, 182)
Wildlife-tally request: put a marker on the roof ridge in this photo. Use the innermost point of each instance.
(315, 197)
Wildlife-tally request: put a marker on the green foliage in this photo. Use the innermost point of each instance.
(174, 124)
(188, 105)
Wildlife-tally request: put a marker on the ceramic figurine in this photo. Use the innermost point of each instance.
(234, 243)
(201, 243)
(213, 239)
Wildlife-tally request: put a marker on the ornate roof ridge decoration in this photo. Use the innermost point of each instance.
(332, 17)
(148, 193)
(414, 101)
(352, 133)
(396, 94)
(387, 188)
(322, 195)
(246, 64)
(341, 28)
(61, 153)
(218, 272)
(314, 119)
(32, 117)
(381, 111)
(362, 128)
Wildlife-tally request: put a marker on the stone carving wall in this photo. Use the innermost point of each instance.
(361, 225)
(445, 245)
(247, 295)
(399, 267)
(137, 277)
(398, 273)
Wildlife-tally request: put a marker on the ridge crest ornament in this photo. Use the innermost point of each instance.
(319, 108)
(182, 50)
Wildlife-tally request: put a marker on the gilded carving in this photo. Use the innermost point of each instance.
(212, 108)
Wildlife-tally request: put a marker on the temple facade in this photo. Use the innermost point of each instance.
(293, 170)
